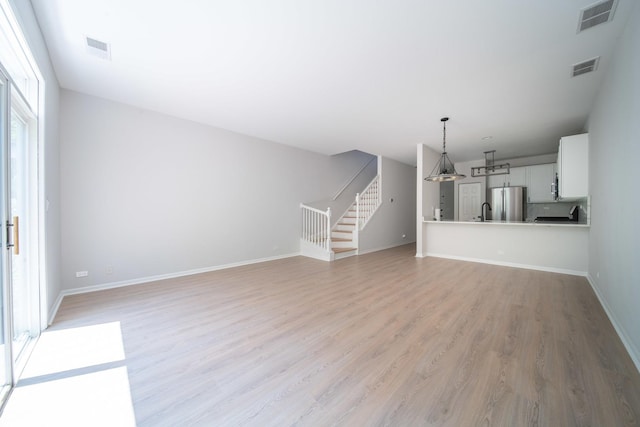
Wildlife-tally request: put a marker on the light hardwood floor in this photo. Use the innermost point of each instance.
(380, 339)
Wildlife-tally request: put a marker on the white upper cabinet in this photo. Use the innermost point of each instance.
(541, 183)
(516, 177)
(573, 167)
(496, 181)
(539, 180)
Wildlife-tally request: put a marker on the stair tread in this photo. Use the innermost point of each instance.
(341, 250)
(340, 239)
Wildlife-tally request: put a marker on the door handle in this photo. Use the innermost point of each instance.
(15, 235)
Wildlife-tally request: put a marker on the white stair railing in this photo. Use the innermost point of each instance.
(368, 202)
(316, 226)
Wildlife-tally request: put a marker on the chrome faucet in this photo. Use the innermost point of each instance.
(482, 217)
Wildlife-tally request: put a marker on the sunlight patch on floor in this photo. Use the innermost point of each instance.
(97, 399)
(75, 377)
(66, 349)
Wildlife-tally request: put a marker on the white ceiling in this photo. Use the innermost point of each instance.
(335, 75)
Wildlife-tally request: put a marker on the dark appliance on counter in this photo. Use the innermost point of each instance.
(507, 204)
(573, 216)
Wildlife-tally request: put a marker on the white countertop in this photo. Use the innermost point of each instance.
(516, 224)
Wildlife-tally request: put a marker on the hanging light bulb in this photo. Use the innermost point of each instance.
(444, 169)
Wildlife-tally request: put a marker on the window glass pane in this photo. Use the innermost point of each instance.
(15, 62)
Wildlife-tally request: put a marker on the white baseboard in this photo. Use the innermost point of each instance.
(507, 264)
(634, 353)
(55, 308)
(142, 280)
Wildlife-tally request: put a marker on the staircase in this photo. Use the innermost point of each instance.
(343, 235)
(322, 241)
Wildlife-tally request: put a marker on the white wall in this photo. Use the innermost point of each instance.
(146, 194)
(614, 143)
(26, 17)
(396, 217)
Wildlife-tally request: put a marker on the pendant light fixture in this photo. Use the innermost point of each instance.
(444, 170)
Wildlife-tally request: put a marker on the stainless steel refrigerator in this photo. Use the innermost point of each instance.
(507, 204)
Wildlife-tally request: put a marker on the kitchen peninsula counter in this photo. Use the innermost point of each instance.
(522, 223)
(556, 247)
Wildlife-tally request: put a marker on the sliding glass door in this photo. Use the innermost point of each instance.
(23, 189)
(20, 212)
(19, 201)
(6, 364)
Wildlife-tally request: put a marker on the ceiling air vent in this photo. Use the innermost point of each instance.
(98, 48)
(585, 67)
(596, 14)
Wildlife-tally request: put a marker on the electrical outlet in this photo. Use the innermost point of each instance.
(82, 273)
(109, 269)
